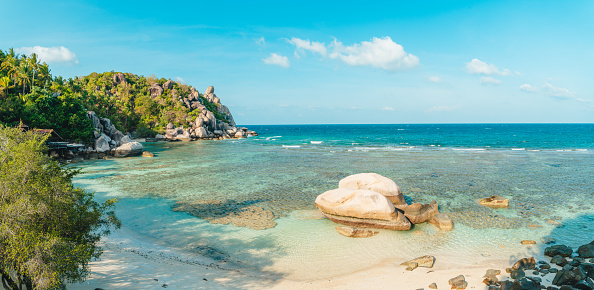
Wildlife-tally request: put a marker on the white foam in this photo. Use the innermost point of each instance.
(273, 137)
(317, 142)
(291, 146)
(469, 149)
(518, 149)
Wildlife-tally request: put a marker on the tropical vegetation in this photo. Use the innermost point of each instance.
(49, 229)
(30, 94)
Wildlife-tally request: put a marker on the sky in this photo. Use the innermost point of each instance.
(333, 62)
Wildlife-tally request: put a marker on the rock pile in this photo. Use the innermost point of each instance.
(370, 200)
(565, 270)
(206, 125)
(109, 140)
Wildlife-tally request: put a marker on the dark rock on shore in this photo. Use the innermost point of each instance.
(561, 250)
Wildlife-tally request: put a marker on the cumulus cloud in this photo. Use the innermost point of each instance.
(276, 59)
(557, 92)
(479, 67)
(51, 54)
(435, 79)
(386, 108)
(306, 44)
(528, 88)
(379, 53)
(490, 81)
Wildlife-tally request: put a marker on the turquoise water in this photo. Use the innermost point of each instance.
(545, 169)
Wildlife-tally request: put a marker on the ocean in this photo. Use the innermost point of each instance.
(249, 203)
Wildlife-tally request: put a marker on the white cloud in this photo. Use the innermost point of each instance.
(479, 67)
(305, 44)
(51, 54)
(435, 79)
(557, 92)
(442, 108)
(261, 41)
(276, 59)
(490, 80)
(528, 88)
(386, 108)
(379, 53)
(180, 80)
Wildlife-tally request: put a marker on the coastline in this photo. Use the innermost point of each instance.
(132, 260)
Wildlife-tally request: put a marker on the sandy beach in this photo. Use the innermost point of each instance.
(133, 261)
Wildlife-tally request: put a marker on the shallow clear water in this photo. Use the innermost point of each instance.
(545, 170)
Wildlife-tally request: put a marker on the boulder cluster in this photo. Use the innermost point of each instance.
(565, 270)
(206, 125)
(110, 141)
(369, 200)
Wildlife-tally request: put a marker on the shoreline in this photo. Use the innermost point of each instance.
(133, 260)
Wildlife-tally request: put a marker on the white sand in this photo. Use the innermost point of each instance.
(132, 261)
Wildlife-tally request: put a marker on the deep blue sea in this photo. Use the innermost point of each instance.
(546, 170)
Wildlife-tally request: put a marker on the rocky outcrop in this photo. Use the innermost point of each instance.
(109, 140)
(155, 90)
(361, 208)
(119, 78)
(374, 182)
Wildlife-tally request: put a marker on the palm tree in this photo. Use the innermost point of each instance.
(23, 71)
(10, 65)
(34, 63)
(5, 84)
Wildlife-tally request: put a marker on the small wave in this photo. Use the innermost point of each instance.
(572, 150)
(401, 129)
(469, 149)
(273, 137)
(291, 146)
(317, 142)
(518, 149)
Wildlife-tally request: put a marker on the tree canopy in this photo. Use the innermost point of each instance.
(29, 93)
(49, 229)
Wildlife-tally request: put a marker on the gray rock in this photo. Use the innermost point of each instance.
(201, 132)
(586, 251)
(155, 90)
(558, 260)
(102, 143)
(170, 126)
(125, 139)
(209, 90)
(458, 282)
(119, 78)
(117, 137)
(129, 149)
(168, 85)
(424, 261)
(517, 274)
(524, 264)
(561, 250)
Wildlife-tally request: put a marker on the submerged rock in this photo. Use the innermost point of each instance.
(424, 261)
(561, 250)
(238, 214)
(495, 201)
(147, 154)
(442, 221)
(361, 208)
(352, 232)
(374, 182)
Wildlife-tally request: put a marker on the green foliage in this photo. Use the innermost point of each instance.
(48, 229)
(30, 94)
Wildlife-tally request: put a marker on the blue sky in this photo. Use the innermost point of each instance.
(313, 62)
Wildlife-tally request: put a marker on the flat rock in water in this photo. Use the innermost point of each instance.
(495, 201)
(424, 261)
(147, 154)
(353, 232)
(528, 242)
(442, 221)
(129, 149)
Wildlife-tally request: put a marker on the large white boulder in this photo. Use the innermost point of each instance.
(129, 149)
(102, 143)
(374, 182)
(361, 208)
